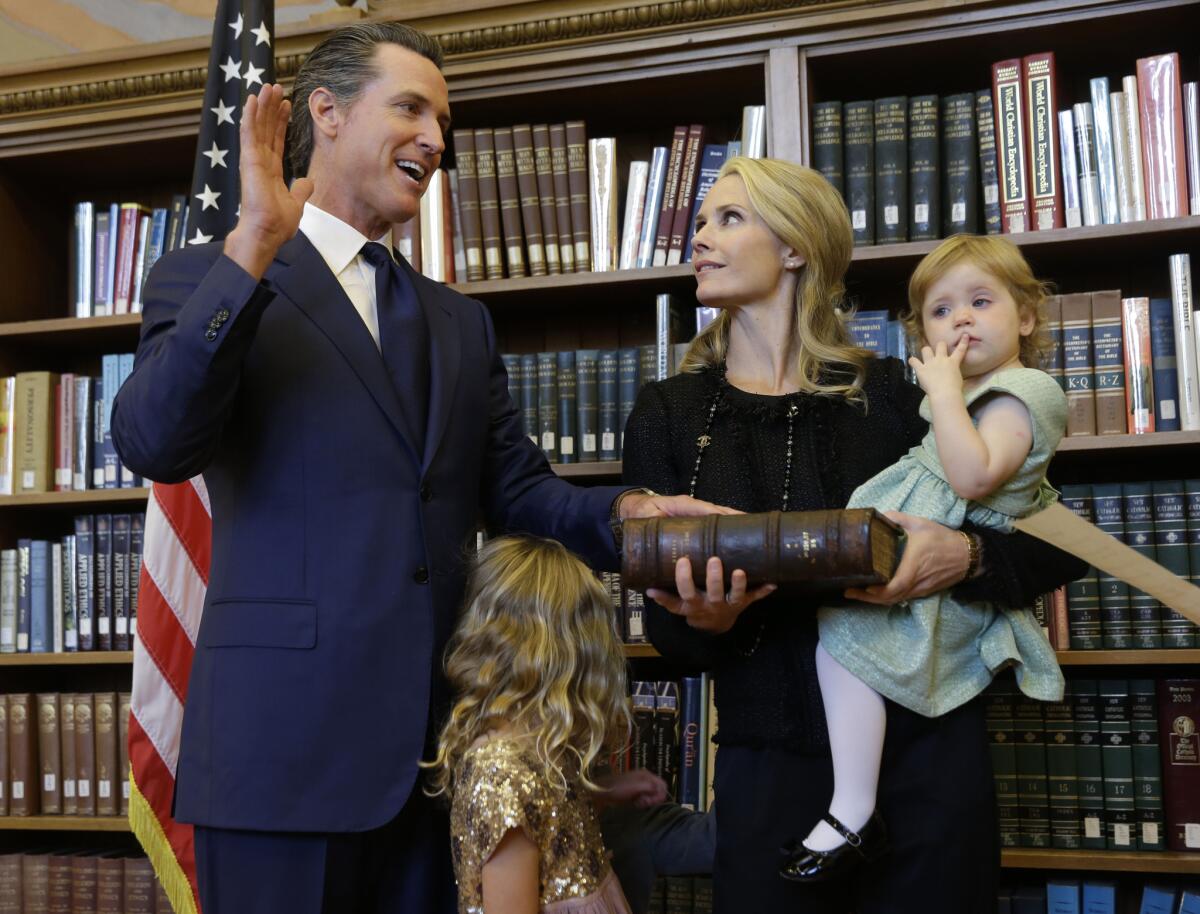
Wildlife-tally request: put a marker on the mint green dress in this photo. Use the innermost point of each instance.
(935, 653)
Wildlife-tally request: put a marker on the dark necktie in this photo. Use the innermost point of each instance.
(403, 338)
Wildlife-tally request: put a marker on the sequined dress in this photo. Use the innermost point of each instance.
(936, 653)
(499, 786)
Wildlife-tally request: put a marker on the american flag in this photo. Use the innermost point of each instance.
(178, 532)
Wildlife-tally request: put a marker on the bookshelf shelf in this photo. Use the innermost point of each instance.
(62, 326)
(83, 499)
(597, 470)
(641, 650)
(80, 658)
(568, 282)
(1129, 658)
(1101, 861)
(1114, 443)
(64, 823)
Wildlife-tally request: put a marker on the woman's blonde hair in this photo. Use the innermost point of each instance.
(535, 650)
(805, 213)
(998, 258)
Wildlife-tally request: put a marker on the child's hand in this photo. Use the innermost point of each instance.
(640, 787)
(941, 372)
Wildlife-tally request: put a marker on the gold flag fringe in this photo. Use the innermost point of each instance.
(153, 839)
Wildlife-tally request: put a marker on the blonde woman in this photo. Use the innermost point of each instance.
(539, 678)
(775, 408)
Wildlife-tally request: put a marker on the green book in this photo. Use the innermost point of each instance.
(702, 895)
(1191, 495)
(1061, 780)
(1031, 772)
(1083, 595)
(1144, 610)
(679, 895)
(1089, 767)
(1171, 541)
(658, 896)
(1115, 623)
(1116, 754)
(999, 717)
(1147, 766)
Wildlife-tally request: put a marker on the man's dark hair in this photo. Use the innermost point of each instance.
(343, 62)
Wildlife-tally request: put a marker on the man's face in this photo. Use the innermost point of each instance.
(388, 142)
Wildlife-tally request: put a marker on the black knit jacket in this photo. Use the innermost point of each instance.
(768, 694)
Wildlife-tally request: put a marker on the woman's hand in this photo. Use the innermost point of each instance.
(941, 371)
(640, 787)
(713, 610)
(935, 558)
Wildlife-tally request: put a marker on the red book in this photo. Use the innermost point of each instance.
(1160, 105)
(1011, 155)
(127, 237)
(670, 197)
(1179, 741)
(1139, 367)
(1039, 77)
(687, 190)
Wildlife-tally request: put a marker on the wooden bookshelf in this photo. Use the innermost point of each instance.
(64, 823)
(601, 469)
(69, 658)
(1164, 657)
(86, 499)
(641, 650)
(61, 327)
(1090, 444)
(1101, 861)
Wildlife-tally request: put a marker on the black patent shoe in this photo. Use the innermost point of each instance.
(804, 865)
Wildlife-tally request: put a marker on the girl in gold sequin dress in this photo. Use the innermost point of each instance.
(540, 679)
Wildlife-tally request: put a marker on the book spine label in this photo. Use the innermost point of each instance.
(1139, 384)
(567, 418)
(577, 179)
(827, 142)
(1108, 363)
(924, 169)
(544, 169)
(1077, 363)
(1160, 104)
(960, 169)
(1106, 160)
(1045, 177)
(891, 169)
(468, 203)
(860, 169)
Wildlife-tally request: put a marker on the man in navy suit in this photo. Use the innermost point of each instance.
(345, 473)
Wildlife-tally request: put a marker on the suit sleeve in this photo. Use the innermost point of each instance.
(200, 315)
(521, 492)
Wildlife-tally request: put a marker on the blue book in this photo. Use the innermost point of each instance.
(512, 367)
(711, 161)
(529, 395)
(628, 373)
(691, 740)
(1099, 898)
(1062, 896)
(23, 584)
(1029, 900)
(869, 330)
(547, 404)
(1166, 372)
(1189, 902)
(157, 242)
(586, 409)
(97, 414)
(608, 403)
(129, 479)
(110, 268)
(85, 580)
(567, 417)
(1157, 899)
(41, 622)
(110, 370)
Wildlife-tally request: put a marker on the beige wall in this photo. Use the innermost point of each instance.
(31, 29)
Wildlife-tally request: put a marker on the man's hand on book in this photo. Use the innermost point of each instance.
(636, 503)
(712, 609)
(934, 559)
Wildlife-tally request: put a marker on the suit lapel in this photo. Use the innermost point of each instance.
(301, 274)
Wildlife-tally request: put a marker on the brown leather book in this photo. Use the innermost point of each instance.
(35, 883)
(489, 204)
(24, 798)
(448, 273)
(562, 197)
(4, 782)
(139, 886)
(543, 165)
(1108, 363)
(531, 207)
(818, 550)
(105, 724)
(110, 882)
(1077, 363)
(49, 753)
(1039, 76)
(66, 729)
(85, 754)
(10, 883)
(162, 904)
(58, 899)
(123, 701)
(670, 196)
(1179, 741)
(468, 203)
(687, 191)
(510, 202)
(1011, 160)
(83, 883)
(577, 180)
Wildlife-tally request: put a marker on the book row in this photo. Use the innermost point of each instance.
(55, 431)
(111, 882)
(1007, 160)
(65, 754)
(1111, 766)
(1095, 896)
(681, 895)
(113, 248)
(77, 593)
(1159, 519)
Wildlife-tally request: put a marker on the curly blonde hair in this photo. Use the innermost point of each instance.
(536, 650)
(999, 258)
(805, 213)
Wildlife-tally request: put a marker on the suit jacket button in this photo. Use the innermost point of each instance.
(223, 315)
(426, 492)
(210, 334)
(421, 576)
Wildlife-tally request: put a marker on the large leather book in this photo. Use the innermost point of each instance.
(1144, 610)
(468, 203)
(4, 782)
(510, 201)
(1147, 765)
(1083, 594)
(1077, 363)
(1160, 105)
(628, 372)
(489, 203)
(24, 796)
(1053, 363)
(1108, 361)
(49, 753)
(123, 702)
(568, 428)
(587, 404)
(138, 895)
(687, 191)
(531, 205)
(58, 887)
(924, 169)
(960, 166)
(1171, 551)
(110, 883)
(562, 198)
(1062, 782)
(10, 883)
(33, 440)
(670, 196)
(860, 169)
(105, 723)
(816, 550)
(1045, 174)
(543, 166)
(999, 718)
(577, 180)
(66, 731)
(989, 171)
(827, 143)
(1116, 755)
(607, 404)
(1179, 739)
(85, 754)
(35, 883)
(1029, 730)
(1011, 149)
(891, 169)
(83, 883)
(1107, 503)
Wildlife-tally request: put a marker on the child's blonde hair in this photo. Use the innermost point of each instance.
(537, 650)
(996, 257)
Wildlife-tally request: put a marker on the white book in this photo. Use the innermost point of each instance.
(654, 192)
(70, 614)
(1182, 300)
(85, 264)
(434, 256)
(667, 311)
(1119, 115)
(754, 131)
(635, 203)
(1089, 178)
(460, 252)
(56, 597)
(1191, 139)
(8, 405)
(1110, 210)
(602, 194)
(139, 264)
(1070, 174)
(8, 601)
(1134, 151)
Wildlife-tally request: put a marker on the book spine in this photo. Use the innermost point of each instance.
(1116, 755)
(24, 598)
(1144, 610)
(586, 399)
(1191, 141)
(544, 169)
(1162, 353)
(567, 418)
(102, 544)
(1038, 74)
(670, 196)
(711, 161)
(1053, 363)
(547, 404)
(137, 534)
(33, 415)
(631, 225)
(85, 753)
(1118, 104)
(1002, 747)
(8, 602)
(436, 255)
(989, 169)
(1191, 489)
(1108, 363)
(510, 201)
(827, 143)
(1077, 363)
(24, 795)
(1115, 621)
(468, 203)
(1062, 781)
(139, 265)
(1185, 341)
(101, 294)
(1147, 765)
(489, 203)
(110, 371)
(1083, 594)
(124, 369)
(562, 198)
(85, 221)
(665, 738)
(127, 221)
(1011, 146)
(602, 202)
(85, 580)
(1089, 765)
(1139, 373)
(891, 169)
(64, 407)
(754, 131)
(8, 408)
(122, 772)
(960, 169)
(642, 700)
(1110, 200)
(1089, 177)
(120, 578)
(608, 403)
(1170, 543)
(1179, 742)
(41, 631)
(1160, 105)
(577, 179)
(531, 205)
(652, 206)
(628, 372)
(512, 368)
(66, 750)
(1133, 142)
(49, 753)
(529, 396)
(104, 724)
(1030, 732)
(860, 169)
(924, 169)
(691, 740)
(686, 193)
